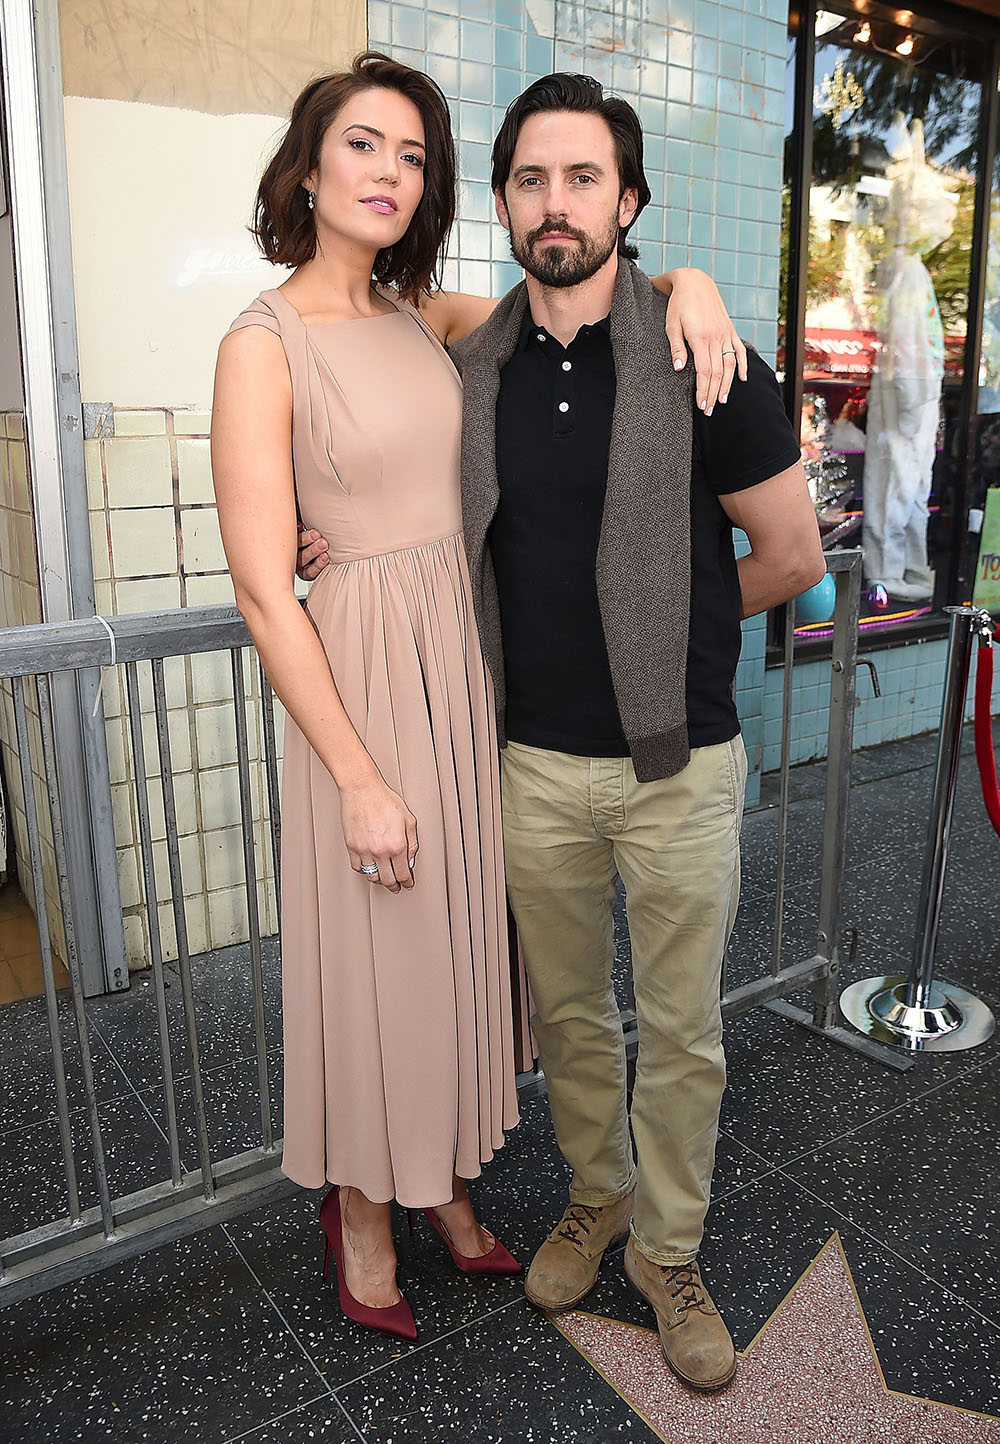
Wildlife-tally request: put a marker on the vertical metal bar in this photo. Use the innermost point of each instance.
(97, 828)
(42, 919)
(72, 956)
(36, 136)
(800, 164)
(798, 177)
(180, 924)
(152, 912)
(271, 765)
(253, 918)
(786, 757)
(840, 739)
(942, 805)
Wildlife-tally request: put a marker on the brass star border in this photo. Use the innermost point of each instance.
(811, 1373)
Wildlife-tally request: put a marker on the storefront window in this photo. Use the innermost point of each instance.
(891, 204)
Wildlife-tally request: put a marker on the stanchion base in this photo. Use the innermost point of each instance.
(952, 1020)
(938, 1016)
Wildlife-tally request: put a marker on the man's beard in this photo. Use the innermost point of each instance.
(566, 265)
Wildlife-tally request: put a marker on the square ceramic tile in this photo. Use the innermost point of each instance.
(17, 458)
(138, 470)
(191, 423)
(100, 544)
(202, 540)
(210, 591)
(148, 594)
(194, 470)
(150, 422)
(143, 542)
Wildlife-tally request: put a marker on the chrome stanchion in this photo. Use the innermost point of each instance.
(918, 1012)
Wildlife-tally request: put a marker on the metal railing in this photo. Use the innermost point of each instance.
(82, 1239)
(820, 970)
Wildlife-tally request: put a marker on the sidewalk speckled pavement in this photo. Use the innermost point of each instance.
(841, 1186)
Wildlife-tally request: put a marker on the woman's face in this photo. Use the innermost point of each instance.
(370, 175)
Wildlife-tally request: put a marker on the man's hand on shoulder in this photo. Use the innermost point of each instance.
(313, 554)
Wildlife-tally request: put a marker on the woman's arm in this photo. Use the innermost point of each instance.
(697, 318)
(252, 470)
(451, 315)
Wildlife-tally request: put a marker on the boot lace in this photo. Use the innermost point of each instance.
(576, 1222)
(685, 1286)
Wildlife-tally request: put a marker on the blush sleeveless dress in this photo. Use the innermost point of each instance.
(398, 1029)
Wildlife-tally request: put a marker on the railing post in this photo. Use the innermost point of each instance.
(843, 691)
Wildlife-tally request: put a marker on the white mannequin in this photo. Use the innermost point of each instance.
(905, 392)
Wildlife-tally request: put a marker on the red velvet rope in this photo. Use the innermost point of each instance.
(985, 755)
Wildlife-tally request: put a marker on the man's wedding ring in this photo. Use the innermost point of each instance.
(369, 868)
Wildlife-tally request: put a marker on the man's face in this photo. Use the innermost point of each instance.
(562, 203)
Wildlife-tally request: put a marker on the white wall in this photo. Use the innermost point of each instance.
(171, 110)
(162, 259)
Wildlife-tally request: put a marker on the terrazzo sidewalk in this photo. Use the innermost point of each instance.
(853, 1243)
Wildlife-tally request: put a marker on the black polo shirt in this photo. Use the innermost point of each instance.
(553, 423)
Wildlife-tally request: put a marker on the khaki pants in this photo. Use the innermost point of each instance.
(571, 823)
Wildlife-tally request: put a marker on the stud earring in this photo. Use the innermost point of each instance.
(312, 199)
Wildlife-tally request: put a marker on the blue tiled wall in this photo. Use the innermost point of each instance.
(911, 682)
(708, 80)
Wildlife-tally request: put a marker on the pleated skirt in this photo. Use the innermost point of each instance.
(398, 1030)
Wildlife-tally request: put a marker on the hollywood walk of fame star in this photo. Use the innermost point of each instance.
(811, 1376)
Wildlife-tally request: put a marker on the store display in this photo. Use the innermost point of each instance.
(905, 392)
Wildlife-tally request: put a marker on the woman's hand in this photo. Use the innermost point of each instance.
(380, 831)
(697, 318)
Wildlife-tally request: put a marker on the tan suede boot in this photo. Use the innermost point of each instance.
(695, 1341)
(565, 1267)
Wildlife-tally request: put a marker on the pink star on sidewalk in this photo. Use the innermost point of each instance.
(810, 1375)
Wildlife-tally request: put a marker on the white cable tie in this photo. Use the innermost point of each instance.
(114, 658)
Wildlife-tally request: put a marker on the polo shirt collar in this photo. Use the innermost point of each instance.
(530, 329)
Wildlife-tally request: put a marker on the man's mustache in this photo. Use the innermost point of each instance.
(548, 228)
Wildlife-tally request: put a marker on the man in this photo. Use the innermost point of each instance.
(598, 515)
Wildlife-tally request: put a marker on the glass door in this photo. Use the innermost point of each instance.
(888, 247)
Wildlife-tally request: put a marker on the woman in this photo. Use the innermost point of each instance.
(335, 396)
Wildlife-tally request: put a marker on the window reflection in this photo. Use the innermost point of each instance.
(891, 206)
(983, 542)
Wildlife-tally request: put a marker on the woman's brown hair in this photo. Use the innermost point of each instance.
(283, 223)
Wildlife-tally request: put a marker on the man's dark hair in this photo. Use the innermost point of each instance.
(584, 95)
(283, 223)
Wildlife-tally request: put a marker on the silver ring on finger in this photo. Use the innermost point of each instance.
(730, 352)
(370, 869)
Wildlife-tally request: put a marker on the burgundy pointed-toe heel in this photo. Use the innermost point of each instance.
(497, 1261)
(397, 1319)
